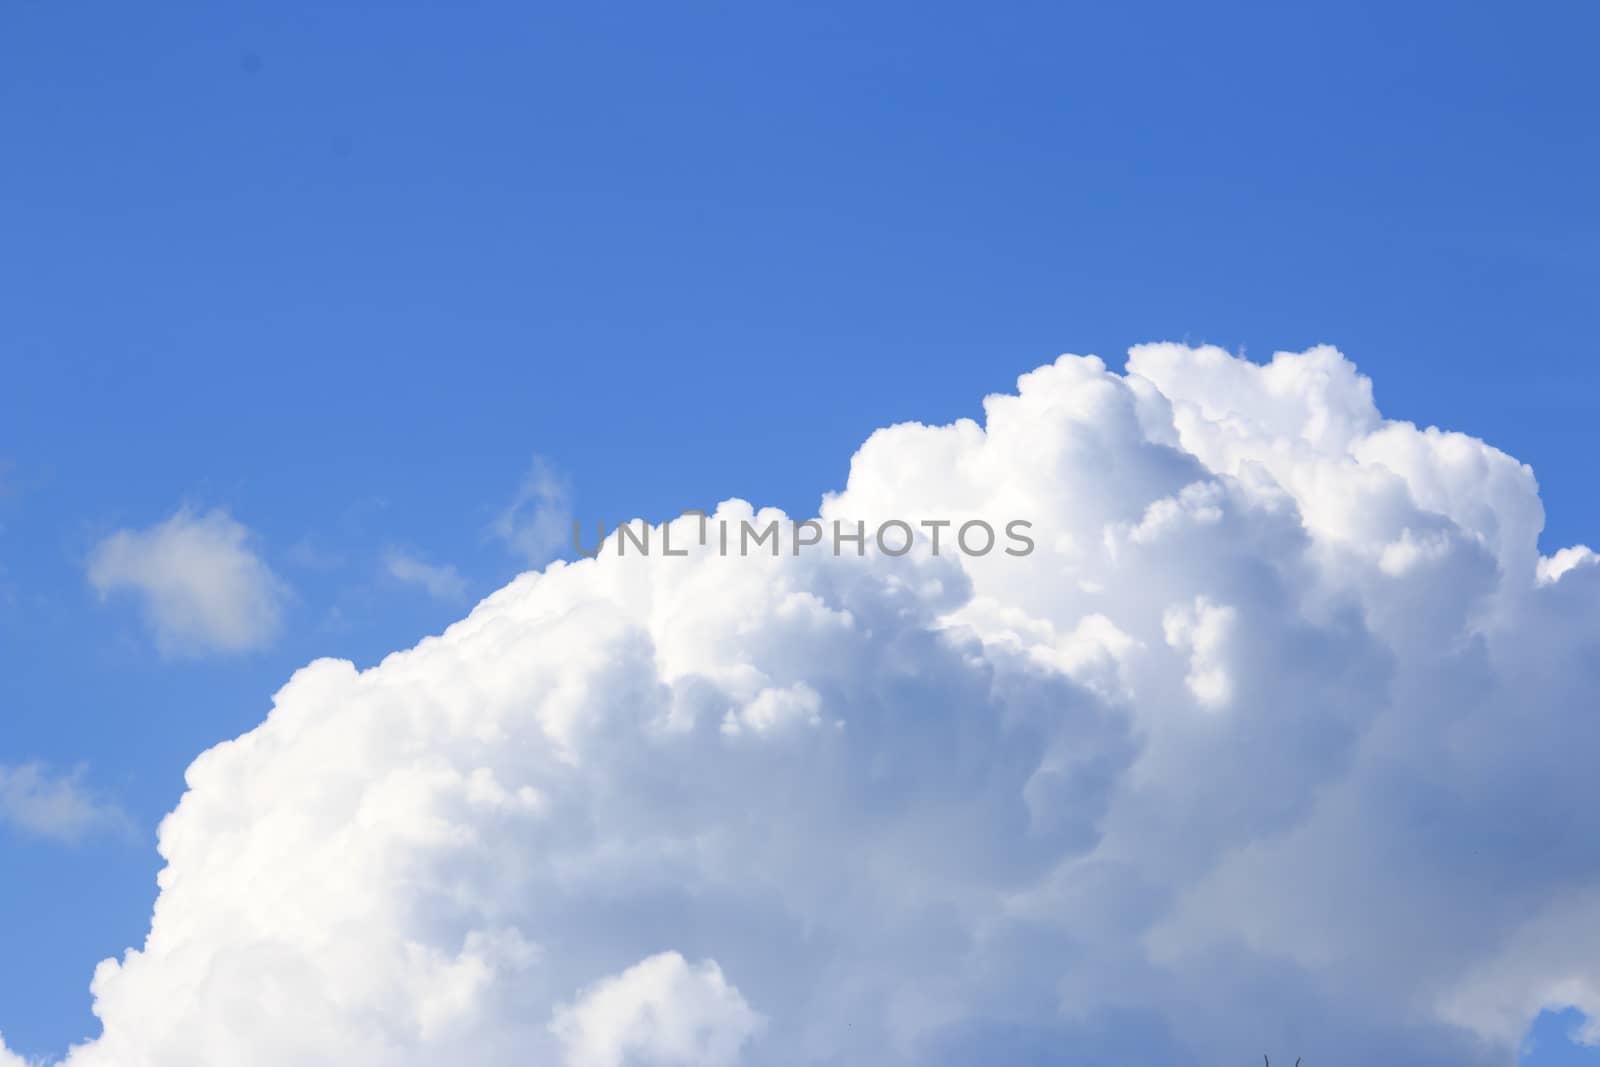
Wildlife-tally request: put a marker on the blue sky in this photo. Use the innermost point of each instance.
(345, 270)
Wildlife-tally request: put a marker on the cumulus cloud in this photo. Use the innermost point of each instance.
(442, 581)
(46, 804)
(200, 586)
(538, 521)
(659, 1011)
(1282, 738)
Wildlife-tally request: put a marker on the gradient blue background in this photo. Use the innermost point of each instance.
(343, 269)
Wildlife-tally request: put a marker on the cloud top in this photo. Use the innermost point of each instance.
(661, 1011)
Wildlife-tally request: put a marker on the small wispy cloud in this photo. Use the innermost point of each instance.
(311, 555)
(442, 581)
(37, 801)
(536, 523)
(200, 586)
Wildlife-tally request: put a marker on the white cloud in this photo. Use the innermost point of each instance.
(200, 587)
(1202, 629)
(661, 1012)
(442, 581)
(1552, 568)
(60, 806)
(1283, 738)
(775, 709)
(538, 521)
